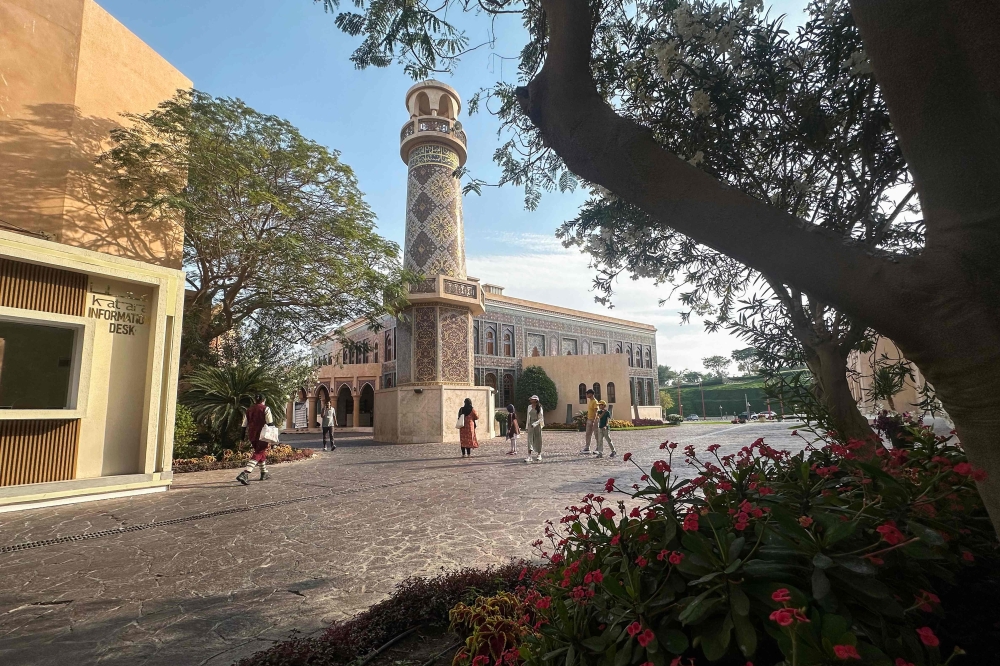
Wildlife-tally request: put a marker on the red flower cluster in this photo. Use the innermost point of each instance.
(927, 637)
(782, 595)
(608, 512)
(609, 486)
(690, 522)
(846, 652)
(627, 456)
(661, 466)
(890, 533)
(925, 599)
(788, 616)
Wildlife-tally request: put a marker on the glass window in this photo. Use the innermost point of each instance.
(583, 394)
(508, 342)
(491, 341)
(650, 395)
(36, 366)
(597, 390)
(508, 389)
(611, 393)
(475, 338)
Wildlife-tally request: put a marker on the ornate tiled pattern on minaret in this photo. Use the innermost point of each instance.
(425, 344)
(456, 359)
(435, 237)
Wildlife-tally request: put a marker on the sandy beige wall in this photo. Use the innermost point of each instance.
(67, 71)
(568, 372)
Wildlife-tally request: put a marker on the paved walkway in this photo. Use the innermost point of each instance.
(336, 534)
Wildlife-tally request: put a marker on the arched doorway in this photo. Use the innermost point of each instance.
(345, 407)
(300, 410)
(322, 397)
(366, 410)
(491, 380)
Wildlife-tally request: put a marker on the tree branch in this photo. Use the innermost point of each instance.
(620, 155)
(937, 63)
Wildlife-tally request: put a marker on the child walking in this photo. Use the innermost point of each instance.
(604, 430)
(512, 430)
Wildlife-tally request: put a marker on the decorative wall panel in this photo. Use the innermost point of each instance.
(404, 347)
(38, 451)
(455, 345)
(31, 287)
(425, 344)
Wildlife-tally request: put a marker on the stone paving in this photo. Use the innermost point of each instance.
(211, 590)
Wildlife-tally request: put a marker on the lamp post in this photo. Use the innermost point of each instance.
(702, 387)
(680, 405)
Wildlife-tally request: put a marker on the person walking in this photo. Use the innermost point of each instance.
(467, 433)
(604, 430)
(535, 423)
(254, 421)
(591, 421)
(512, 430)
(329, 423)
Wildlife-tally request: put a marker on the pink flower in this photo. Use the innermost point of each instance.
(627, 457)
(890, 534)
(616, 539)
(543, 603)
(597, 576)
(609, 486)
(676, 557)
(661, 466)
(963, 468)
(646, 637)
(641, 561)
(783, 616)
(662, 555)
(927, 637)
(608, 512)
(846, 652)
(635, 513)
(805, 521)
(725, 486)
(967, 556)
(902, 662)
(782, 595)
(633, 628)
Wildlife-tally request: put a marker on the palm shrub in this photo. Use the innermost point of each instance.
(185, 433)
(219, 397)
(806, 559)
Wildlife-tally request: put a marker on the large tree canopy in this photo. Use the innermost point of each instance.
(277, 235)
(937, 66)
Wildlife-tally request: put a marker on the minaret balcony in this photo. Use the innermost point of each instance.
(432, 129)
(448, 290)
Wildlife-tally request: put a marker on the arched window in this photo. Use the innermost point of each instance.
(475, 337)
(345, 356)
(388, 348)
(583, 394)
(508, 343)
(640, 392)
(508, 389)
(650, 394)
(491, 341)
(353, 356)
(597, 390)
(649, 358)
(364, 352)
(376, 352)
(611, 393)
(631, 359)
(631, 390)
(618, 348)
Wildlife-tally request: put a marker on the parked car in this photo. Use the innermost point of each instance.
(692, 417)
(743, 417)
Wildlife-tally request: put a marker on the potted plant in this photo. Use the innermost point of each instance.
(580, 419)
(501, 418)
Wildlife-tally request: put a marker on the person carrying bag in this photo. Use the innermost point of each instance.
(258, 424)
(467, 422)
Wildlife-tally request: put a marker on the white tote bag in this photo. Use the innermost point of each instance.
(269, 433)
(461, 421)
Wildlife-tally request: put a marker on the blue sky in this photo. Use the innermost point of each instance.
(288, 58)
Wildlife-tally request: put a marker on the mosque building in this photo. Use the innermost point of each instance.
(460, 338)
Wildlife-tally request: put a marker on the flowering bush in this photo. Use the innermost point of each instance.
(619, 423)
(647, 422)
(233, 459)
(816, 558)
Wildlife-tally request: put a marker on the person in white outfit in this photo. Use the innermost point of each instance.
(534, 424)
(329, 422)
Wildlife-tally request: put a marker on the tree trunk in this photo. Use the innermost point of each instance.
(828, 364)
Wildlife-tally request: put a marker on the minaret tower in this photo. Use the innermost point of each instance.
(434, 352)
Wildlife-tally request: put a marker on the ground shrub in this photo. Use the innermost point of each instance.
(647, 422)
(233, 459)
(493, 628)
(619, 423)
(185, 433)
(814, 558)
(674, 418)
(535, 381)
(424, 602)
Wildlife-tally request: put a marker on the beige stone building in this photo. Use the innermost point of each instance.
(461, 338)
(90, 300)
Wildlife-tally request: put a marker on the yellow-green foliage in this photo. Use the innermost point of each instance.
(493, 627)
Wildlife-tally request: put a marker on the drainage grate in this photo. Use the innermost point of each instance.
(200, 516)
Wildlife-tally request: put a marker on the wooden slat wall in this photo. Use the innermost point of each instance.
(44, 288)
(38, 451)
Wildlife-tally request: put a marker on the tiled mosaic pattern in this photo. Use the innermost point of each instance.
(404, 347)
(456, 362)
(435, 235)
(425, 344)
